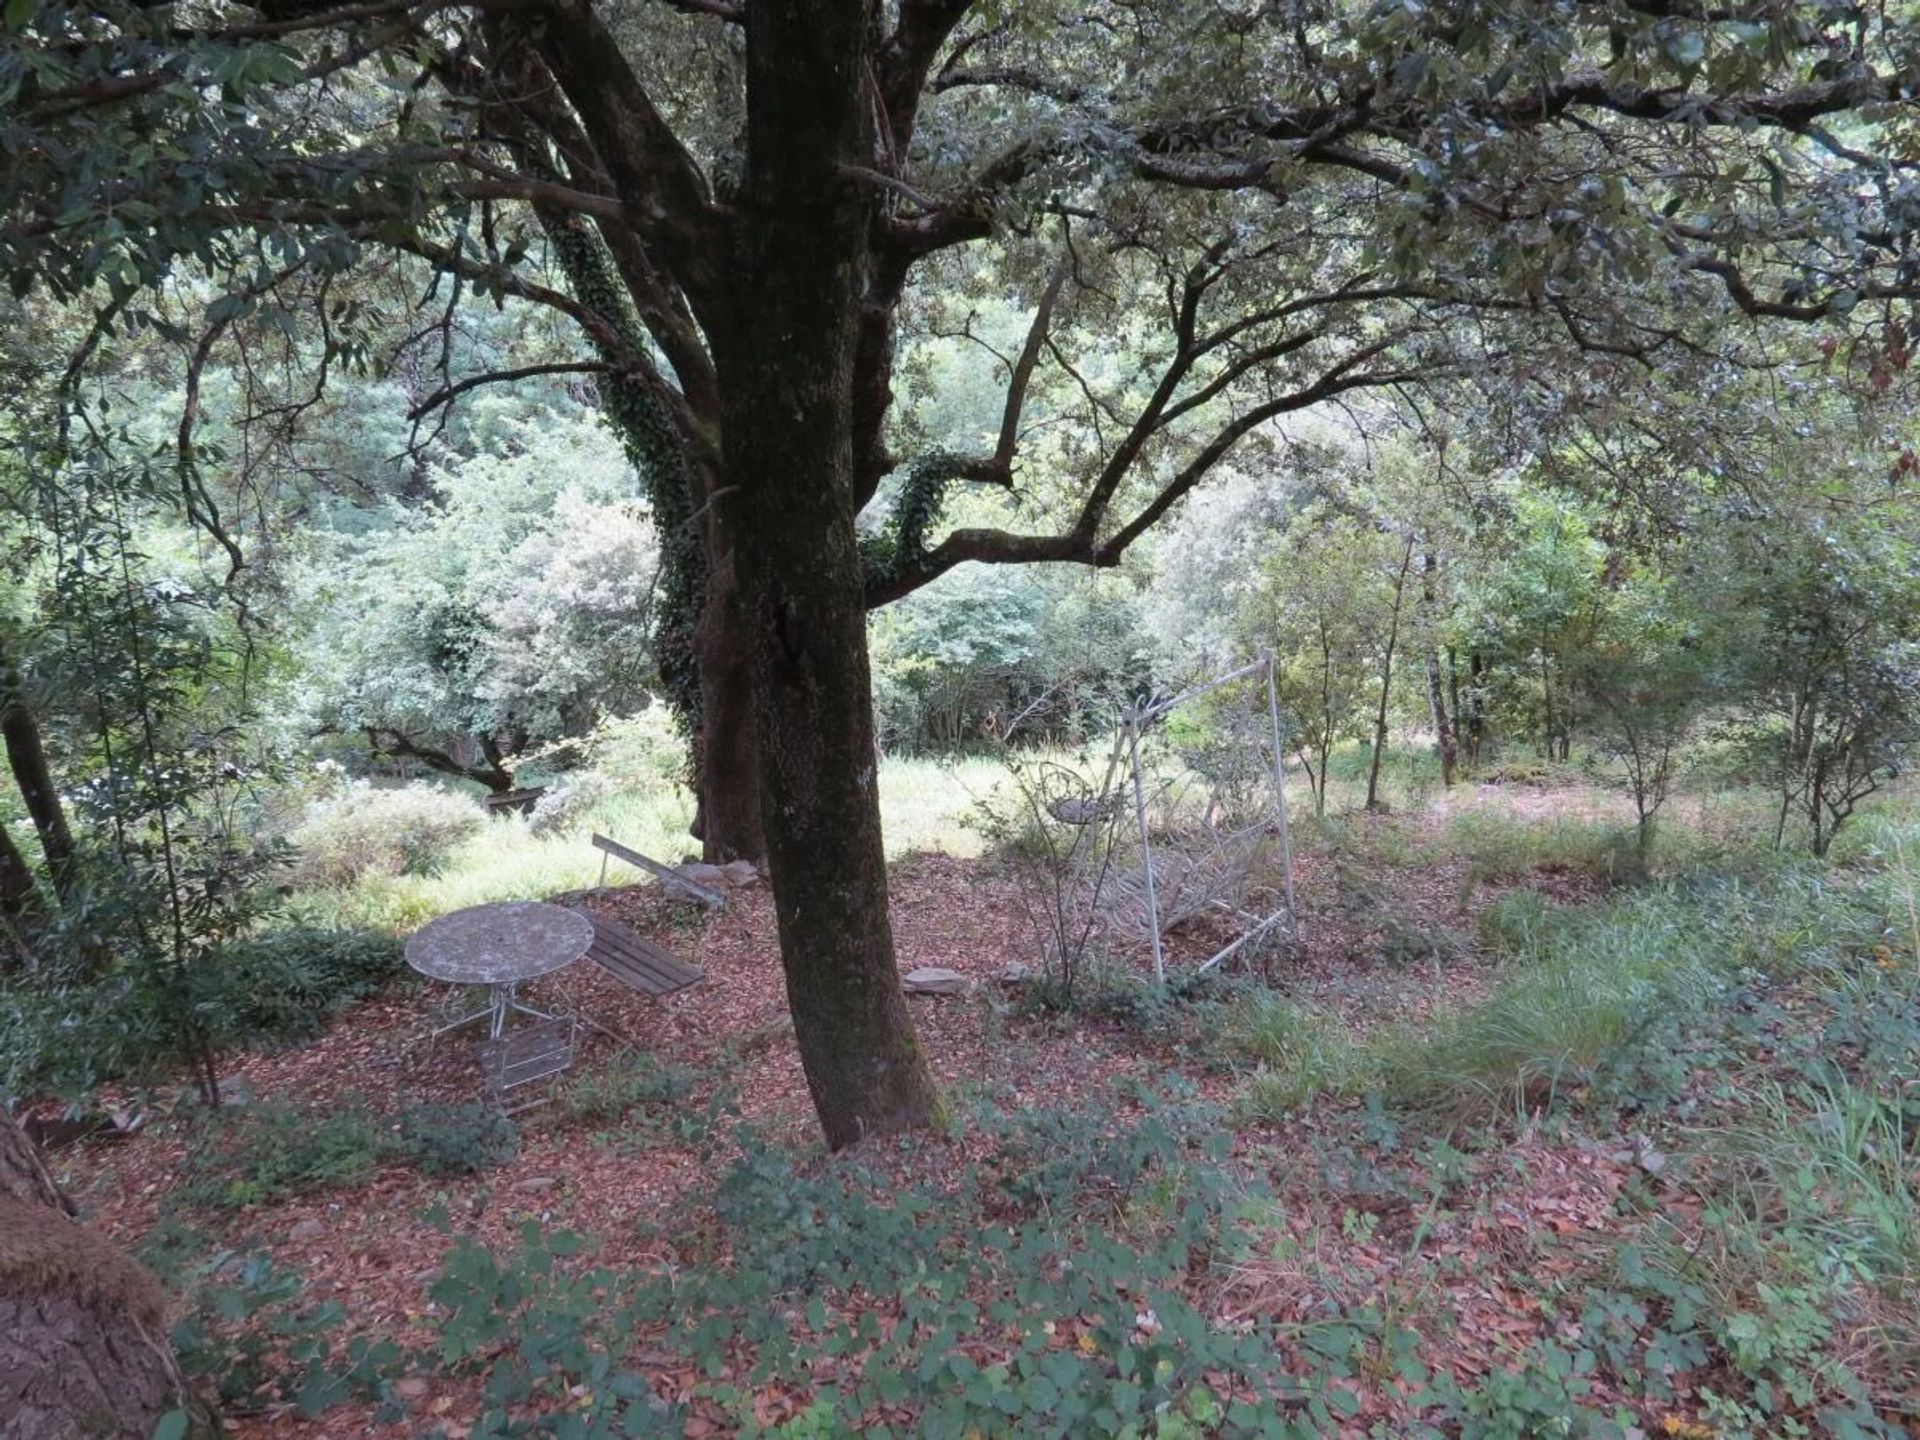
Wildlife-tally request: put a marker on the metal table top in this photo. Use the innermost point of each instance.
(500, 944)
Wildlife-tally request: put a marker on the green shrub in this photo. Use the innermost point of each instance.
(67, 1035)
(275, 1150)
(570, 803)
(272, 1151)
(608, 1093)
(454, 1139)
(366, 831)
(285, 984)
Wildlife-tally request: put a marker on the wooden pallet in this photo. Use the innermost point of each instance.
(636, 961)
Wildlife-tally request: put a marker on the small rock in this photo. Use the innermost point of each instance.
(935, 980)
(308, 1230)
(411, 1388)
(740, 872)
(535, 1184)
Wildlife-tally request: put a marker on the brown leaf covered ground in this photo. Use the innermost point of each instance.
(1470, 1281)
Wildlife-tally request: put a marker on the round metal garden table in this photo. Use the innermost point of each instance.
(499, 946)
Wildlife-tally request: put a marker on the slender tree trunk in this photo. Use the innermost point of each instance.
(785, 356)
(27, 756)
(1443, 725)
(18, 894)
(1386, 682)
(1476, 708)
(1444, 739)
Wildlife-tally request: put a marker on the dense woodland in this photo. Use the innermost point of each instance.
(821, 447)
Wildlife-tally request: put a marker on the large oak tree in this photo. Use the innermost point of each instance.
(746, 206)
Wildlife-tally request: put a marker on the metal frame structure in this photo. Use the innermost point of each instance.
(1133, 723)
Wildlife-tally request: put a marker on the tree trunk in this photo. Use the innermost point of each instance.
(1386, 682)
(726, 769)
(22, 1175)
(784, 354)
(27, 756)
(1443, 732)
(83, 1348)
(1444, 739)
(1476, 707)
(18, 894)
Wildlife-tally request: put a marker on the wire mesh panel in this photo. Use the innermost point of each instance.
(1205, 777)
(527, 1054)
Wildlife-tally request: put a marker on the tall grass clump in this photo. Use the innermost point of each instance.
(1501, 847)
(1808, 1244)
(1295, 1053)
(1591, 985)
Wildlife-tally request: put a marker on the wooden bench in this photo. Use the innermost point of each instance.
(520, 801)
(636, 961)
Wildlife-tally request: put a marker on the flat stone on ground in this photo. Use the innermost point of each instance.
(935, 980)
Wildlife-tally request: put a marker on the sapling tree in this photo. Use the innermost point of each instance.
(170, 870)
(1644, 684)
(1830, 663)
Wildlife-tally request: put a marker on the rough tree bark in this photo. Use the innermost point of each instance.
(728, 823)
(1443, 734)
(785, 359)
(83, 1349)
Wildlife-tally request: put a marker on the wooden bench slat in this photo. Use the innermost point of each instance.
(666, 873)
(636, 961)
(639, 951)
(646, 982)
(640, 964)
(650, 982)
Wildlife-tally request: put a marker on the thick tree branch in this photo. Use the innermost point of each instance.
(448, 393)
(1081, 547)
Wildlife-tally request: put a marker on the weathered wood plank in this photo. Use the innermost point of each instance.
(666, 873)
(655, 977)
(645, 952)
(636, 961)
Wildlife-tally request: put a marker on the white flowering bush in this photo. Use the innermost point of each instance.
(363, 830)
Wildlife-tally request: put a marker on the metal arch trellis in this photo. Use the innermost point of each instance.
(1134, 722)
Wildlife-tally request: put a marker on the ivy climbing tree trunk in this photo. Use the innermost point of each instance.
(697, 640)
(785, 358)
